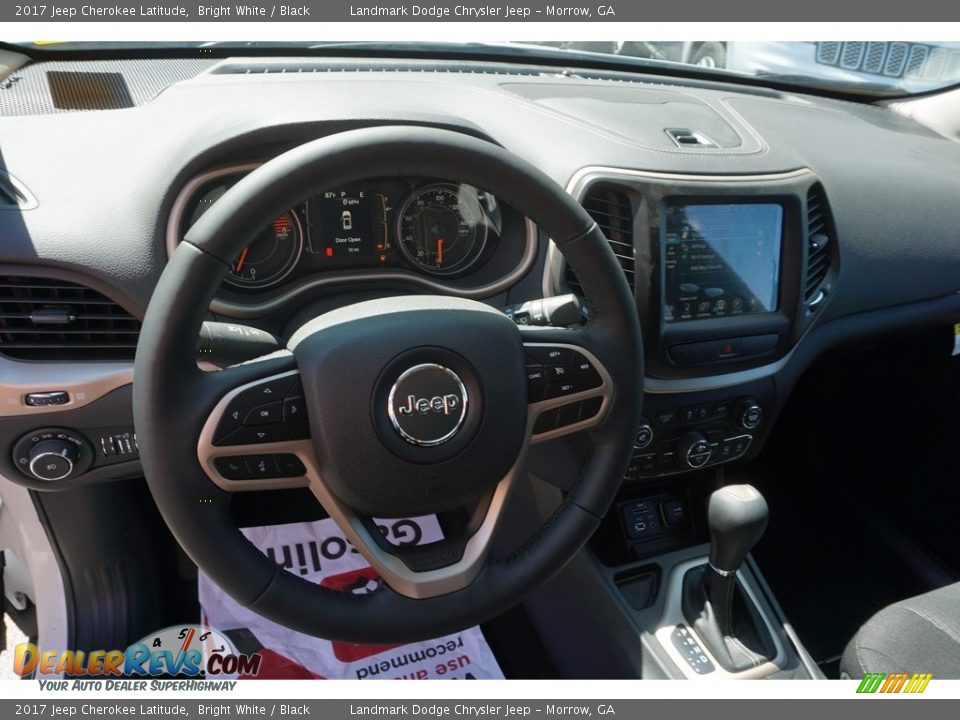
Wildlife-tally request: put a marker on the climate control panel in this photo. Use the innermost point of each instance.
(673, 439)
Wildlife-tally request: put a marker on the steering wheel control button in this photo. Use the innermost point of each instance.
(295, 418)
(545, 355)
(262, 466)
(233, 416)
(44, 399)
(256, 435)
(427, 404)
(749, 414)
(269, 391)
(265, 414)
(289, 465)
(232, 468)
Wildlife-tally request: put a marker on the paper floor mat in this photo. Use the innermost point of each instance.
(319, 552)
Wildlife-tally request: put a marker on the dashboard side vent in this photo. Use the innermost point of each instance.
(818, 243)
(45, 319)
(612, 210)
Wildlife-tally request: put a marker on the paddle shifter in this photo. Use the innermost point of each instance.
(713, 603)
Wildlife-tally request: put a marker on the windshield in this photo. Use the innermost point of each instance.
(867, 67)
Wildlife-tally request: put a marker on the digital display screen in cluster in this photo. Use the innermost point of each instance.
(721, 260)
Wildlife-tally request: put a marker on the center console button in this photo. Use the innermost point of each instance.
(644, 436)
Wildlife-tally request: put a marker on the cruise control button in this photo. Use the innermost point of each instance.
(232, 418)
(270, 391)
(256, 434)
(587, 374)
(232, 468)
(262, 466)
(295, 418)
(550, 355)
(265, 414)
(289, 465)
(535, 374)
(561, 389)
(558, 372)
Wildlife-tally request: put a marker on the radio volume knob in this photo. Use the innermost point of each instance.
(53, 459)
(748, 415)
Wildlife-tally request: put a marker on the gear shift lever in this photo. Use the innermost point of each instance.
(737, 516)
(722, 615)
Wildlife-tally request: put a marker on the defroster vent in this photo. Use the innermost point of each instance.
(45, 319)
(612, 210)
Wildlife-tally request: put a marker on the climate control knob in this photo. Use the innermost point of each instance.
(748, 415)
(53, 459)
(694, 450)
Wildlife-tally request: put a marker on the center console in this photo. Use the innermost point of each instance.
(728, 272)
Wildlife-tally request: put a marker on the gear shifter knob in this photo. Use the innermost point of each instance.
(737, 516)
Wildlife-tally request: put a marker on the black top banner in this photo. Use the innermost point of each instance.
(472, 11)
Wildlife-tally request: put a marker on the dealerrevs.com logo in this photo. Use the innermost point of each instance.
(899, 682)
(188, 651)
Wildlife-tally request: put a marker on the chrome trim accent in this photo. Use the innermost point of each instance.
(85, 383)
(38, 476)
(256, 309)
(605, 391)
(396, 422)
(403, 580)
(721, 573)
(673, 616)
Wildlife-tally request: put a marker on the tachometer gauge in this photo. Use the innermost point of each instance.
(442, 229)
(271, 256)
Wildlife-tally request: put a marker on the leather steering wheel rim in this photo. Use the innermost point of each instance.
(173, 398)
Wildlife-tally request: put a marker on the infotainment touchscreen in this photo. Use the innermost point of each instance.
(721, 260)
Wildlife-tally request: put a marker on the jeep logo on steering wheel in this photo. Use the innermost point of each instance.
(436, 404)
(427, 404)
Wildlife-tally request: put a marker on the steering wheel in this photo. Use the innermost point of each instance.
(407, 405)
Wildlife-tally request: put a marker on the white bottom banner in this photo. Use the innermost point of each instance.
(319, 552)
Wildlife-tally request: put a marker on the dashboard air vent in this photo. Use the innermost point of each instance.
(818, 242)
(44, 319)
(612, 210)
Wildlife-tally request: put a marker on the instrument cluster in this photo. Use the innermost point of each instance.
(436, 228)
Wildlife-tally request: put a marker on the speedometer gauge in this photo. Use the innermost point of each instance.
(442, 229)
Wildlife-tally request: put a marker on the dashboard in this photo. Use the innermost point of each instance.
(789, 236)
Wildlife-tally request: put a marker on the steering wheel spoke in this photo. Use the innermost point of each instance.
(421, 571)
(568, 387)
(258, 435)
